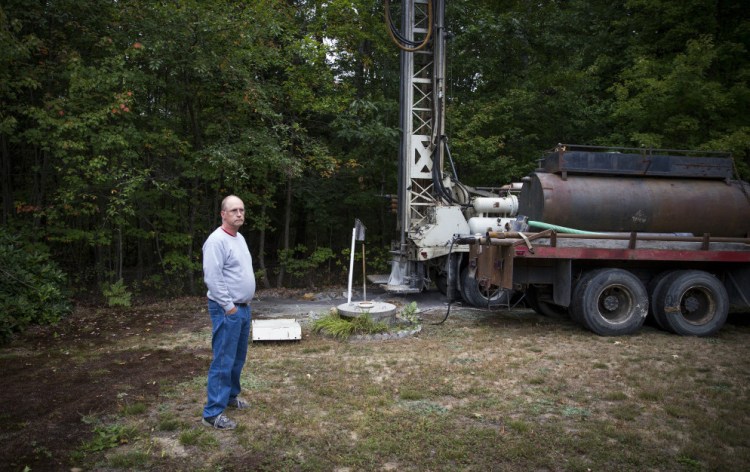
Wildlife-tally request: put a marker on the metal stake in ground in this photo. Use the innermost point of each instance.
(364, 276)
(358, 234)
(378, 311)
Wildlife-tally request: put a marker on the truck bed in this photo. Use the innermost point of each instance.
(502, 259)
(653, 248)
(551, 245)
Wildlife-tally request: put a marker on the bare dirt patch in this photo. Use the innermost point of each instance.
(89, 365)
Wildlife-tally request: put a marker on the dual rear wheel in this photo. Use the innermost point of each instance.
(689, 302)
(613, 302)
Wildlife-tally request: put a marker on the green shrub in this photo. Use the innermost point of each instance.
(32, 287)
(302, 263)
(409, 313)
(341, 328)
(117, 294)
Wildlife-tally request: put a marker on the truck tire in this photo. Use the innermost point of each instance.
(656, 289)
(576, 300)
(612, 302)
(693, 303)
(473, 294)
(543, 307)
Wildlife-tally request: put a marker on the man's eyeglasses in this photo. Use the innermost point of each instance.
(236, 210)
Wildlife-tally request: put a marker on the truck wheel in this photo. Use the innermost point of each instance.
(473, 294)
(543, 307)
(693, 303)
(577, 298)
(613, 302)
(656, 289)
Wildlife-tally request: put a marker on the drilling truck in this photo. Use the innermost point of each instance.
(603, 235)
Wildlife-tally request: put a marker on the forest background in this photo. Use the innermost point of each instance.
(124, 123)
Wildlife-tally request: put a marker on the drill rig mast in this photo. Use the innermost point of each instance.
(432, 207)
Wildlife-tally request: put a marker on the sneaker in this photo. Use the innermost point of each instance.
(238, 403)
(219, 422)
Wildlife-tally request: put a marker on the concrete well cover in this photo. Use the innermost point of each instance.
(378, 311)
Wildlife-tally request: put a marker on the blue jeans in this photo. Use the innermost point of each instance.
(229, 337)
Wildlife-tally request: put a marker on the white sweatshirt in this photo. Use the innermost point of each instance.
(228, 269)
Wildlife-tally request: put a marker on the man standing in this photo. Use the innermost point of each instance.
(228, 273)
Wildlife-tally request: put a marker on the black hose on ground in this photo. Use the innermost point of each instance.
(449, 288)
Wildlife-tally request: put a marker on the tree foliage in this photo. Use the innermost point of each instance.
(123, 124)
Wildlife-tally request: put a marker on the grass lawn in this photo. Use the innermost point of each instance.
(483, 391)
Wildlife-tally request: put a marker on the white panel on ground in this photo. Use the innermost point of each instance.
(276, 330)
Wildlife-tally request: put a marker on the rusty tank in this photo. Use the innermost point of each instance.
(592, 189)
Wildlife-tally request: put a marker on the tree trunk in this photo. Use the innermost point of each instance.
(287, 224)
(140, 248)
(193, 211)
(120, 253)
(262, 249)
(40, 181)
(5, 181)
(198, 145)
